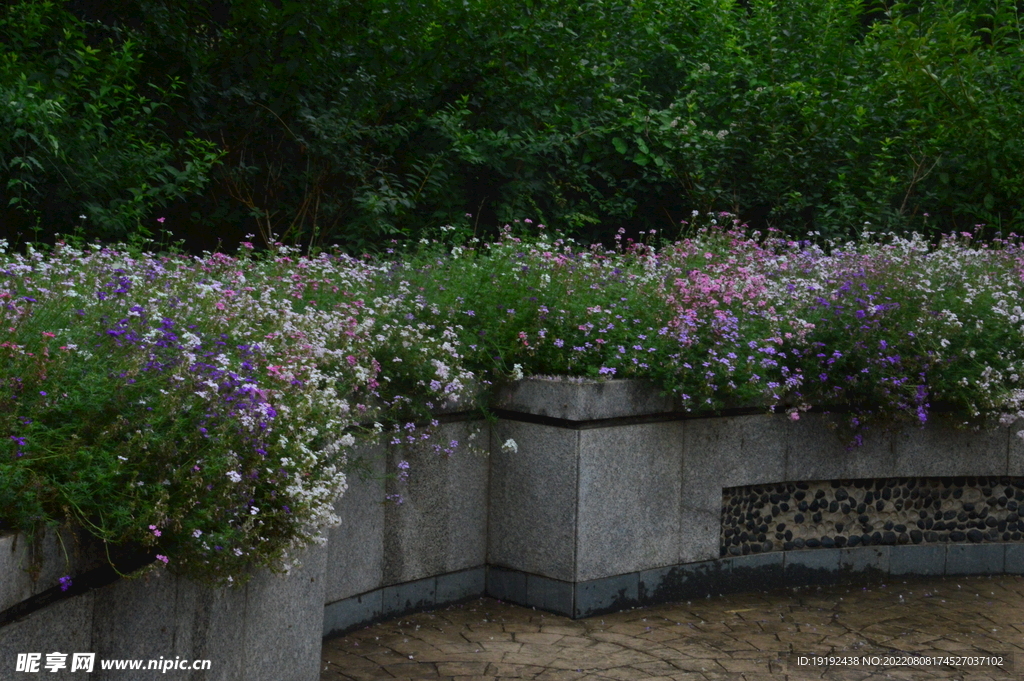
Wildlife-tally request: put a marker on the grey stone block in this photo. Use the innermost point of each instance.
(608, 594)
(583, 400)
(629, 499)
(458, 586)
(813, 566)
(814, 451)
(15, 581)
(939, 449)
(758, 572)
(284, 621)
(64, 627)
(506, 585)
(1015, 449)
(864, 561)
(532, 517)
(350, 613)
(209, 624)
(975, 559)
(355, 548)
(1014, 561)
(30, 567)
(733, 451)
(684, 582)
(549, 594)
(441, 525)
(917, 560)
(700, 535)
(404, 598)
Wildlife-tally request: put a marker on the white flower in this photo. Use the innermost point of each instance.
(233, 476)
(347, 440)
(197, 533)
(254, 510)
(510, 446)
(517, 372)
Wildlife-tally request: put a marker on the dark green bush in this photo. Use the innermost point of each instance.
(347, 122)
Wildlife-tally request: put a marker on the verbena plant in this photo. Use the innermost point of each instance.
(204, 408)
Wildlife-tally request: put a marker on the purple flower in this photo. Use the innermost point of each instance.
(65, 582)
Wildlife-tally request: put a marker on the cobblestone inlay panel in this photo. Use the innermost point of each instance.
(871, 512)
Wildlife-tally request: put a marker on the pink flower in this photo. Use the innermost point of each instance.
(160, 219)
(156, 532)
(163, 559)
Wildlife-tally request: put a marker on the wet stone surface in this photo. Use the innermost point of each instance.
(841, 513)
(739, 637)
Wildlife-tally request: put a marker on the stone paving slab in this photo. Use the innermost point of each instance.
(741, 637)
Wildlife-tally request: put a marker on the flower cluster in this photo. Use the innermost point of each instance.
(202, 408)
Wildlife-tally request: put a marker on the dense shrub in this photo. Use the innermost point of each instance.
(345, 121)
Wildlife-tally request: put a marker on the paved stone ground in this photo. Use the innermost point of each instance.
(747, 637)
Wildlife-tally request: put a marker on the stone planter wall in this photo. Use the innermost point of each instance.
(609, 498)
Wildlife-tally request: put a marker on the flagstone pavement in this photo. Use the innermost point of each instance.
(742, 637)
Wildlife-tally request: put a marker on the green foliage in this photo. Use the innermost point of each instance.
(348, 122)
(79, 137)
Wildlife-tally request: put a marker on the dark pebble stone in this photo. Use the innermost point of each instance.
(923, 514)
(900, 528)
(922, 524)
(1002, 525)
(1011, 505)
(916, 536)
(983, 513)
(814, 506)
(992, 502)
(931, 536)
(833, 507)
(975, 535)
(1018, 496)
(854, 540)
(1012, 517)
(961, 516)
(1006, 536)
(887, 494)
(781, 527)
(840, 541)
(799, 496)
(1015, 536)
(867, 539)
(776, 510)
(755, 548)
(968, 506)
(762, 528)
(904, 538)
(939, 526)
(762, 537)
(764, 498)
(775, 498)
(798, 518)
(949, 515)
(789, 535)
(736, 540)
(803, 506)
(956, 535)
(845, 508)
(780, 536)
(784, 506)
(802, 485)
(1008, 492)
(991, 521)
(767, 546)
(819, 494)
(1002, 501)
(746, 549)
(788, 546)
(876, 537)
(1013, 527)
(986, 491)
(937, 504)
(945, 494)
(841, 494)
(889, 538)
(735, 551)
(961, 526)
(828, 542)
(816, 517)
(722, 552)
(862, 507)
(916, 494)
(799, 543)
(898, 504)
(729, 532)
(813, 543)
(957, 493)
(744, 536)
(840, 526)
(888, 525)
(879, 505)
(869, 497)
